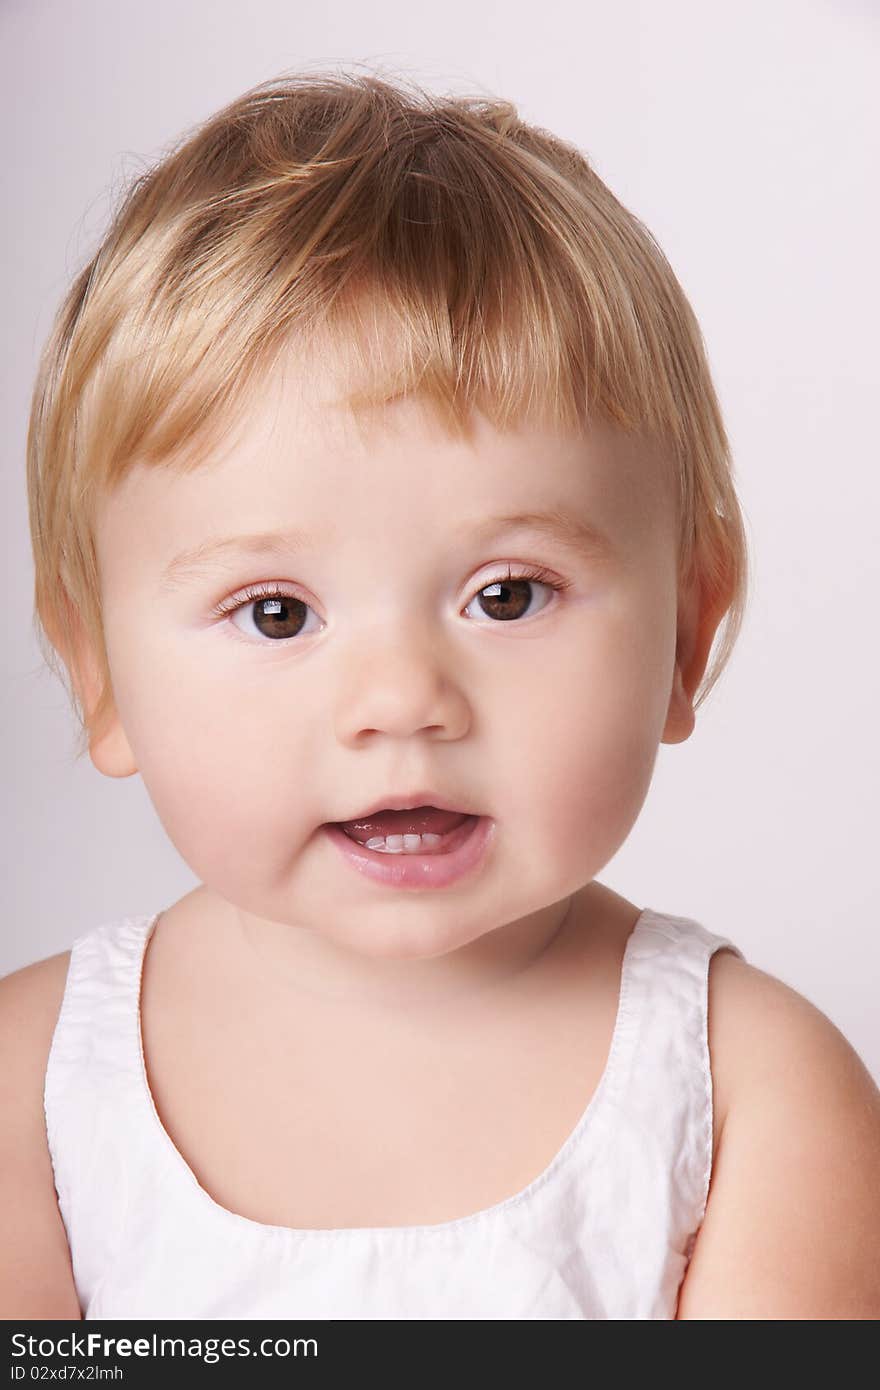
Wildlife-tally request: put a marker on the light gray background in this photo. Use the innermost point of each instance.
(746, 138)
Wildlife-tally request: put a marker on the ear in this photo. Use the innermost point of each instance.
(700, 610)
(109, 748)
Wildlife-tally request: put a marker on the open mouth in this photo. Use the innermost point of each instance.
(413, 858)
(421, 830)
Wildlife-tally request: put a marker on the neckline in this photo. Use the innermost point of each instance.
(583, 1126)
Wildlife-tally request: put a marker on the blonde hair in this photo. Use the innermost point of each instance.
(514, 280)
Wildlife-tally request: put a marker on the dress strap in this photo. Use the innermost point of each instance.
(662, 1092)
(90, 1087)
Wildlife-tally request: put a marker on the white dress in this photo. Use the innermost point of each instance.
(605, 1231)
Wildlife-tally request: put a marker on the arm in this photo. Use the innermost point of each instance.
(36, 1277)
(792, 1224)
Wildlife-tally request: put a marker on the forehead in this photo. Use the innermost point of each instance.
(296, 457)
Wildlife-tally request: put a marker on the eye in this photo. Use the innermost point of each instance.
(268, 610)
(506, 599)
(279, 616)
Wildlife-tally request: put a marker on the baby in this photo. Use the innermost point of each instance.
(383, 521)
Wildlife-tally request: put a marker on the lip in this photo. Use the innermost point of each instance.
(421, 871)
(406, 803)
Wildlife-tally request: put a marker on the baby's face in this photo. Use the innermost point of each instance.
(393, 670)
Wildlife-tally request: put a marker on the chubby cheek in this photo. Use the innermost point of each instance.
(236, 784)
(577, 746)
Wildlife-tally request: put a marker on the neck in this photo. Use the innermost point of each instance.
(300, 962)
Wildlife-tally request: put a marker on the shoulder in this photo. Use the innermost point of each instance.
(30, 998)
(35, 1272)
(30, 1002)
(792, 1224)
(741, 1001)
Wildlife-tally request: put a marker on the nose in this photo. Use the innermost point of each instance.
(401, 688)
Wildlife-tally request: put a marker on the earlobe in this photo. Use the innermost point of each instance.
(680, 718)
(109, 749)
(699, 614)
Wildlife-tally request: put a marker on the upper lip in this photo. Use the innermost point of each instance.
(409, 802)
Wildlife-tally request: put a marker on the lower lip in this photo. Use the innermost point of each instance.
(468, 846)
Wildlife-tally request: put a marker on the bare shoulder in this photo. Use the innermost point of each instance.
(36, 1279)
(32, 995)
(740, 996)
(792, 1224)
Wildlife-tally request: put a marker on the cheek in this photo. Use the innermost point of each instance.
(237, 786)
(580, 738)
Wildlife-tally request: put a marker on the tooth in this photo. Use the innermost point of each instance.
(404, 844)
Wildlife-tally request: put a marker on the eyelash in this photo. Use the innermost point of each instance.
(229, 606)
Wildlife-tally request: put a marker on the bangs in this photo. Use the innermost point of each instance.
(402, 249)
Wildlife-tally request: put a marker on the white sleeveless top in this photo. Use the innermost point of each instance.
(605, 1231)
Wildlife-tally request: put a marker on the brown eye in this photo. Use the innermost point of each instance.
(266, 615)
(277, 618)
(506, 599)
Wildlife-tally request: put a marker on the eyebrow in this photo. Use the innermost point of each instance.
(576, 534)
